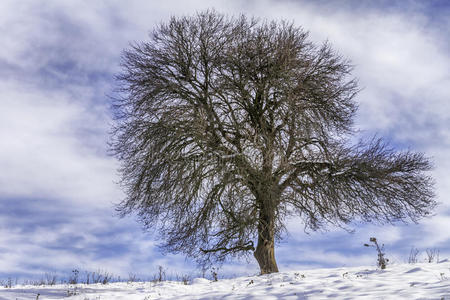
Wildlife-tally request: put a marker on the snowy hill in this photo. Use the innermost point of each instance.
(404, 281)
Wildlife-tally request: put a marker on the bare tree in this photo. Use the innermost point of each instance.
(226, 126)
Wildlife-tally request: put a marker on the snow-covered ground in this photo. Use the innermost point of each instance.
(407, 281)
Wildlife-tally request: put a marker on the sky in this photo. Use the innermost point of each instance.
(58, 185)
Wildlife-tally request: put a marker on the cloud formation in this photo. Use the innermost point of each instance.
(57, 185)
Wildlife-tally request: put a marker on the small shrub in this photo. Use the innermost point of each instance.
(432, 254)
(88, 277)
(381, 261)
(106, 278)
(50, 279)
(413, 255)
(131, 277)
(99, 277)
(214, 273)
(161, 274)
(73, 279)
(185, 279)
(7, 283)
(96, 277)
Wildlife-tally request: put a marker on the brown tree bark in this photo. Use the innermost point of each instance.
(265, 250)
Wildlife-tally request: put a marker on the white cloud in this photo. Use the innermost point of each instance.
(44, 148)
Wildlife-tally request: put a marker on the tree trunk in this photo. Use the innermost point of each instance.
(265, 250)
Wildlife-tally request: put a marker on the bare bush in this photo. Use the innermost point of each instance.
(8, 283)
(432, 255)
(73, 279)
(50, 279)
(412, 259)
(99, 276)
(214, 273)
(132, 277)
(185, 279)
(381, 261)
(161, 274)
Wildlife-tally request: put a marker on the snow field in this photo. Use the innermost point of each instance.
(403, 281)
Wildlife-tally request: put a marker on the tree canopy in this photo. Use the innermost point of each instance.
(227, 126)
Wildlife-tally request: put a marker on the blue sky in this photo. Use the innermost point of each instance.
(57, 183)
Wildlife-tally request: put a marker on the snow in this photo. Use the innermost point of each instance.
(402, 281)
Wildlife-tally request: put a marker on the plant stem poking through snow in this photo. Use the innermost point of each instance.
(432, 254)
(382, 261)
(413, 255)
